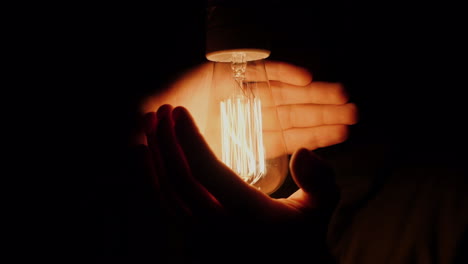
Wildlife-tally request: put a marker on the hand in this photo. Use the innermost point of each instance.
(221, 215)
(312, 114)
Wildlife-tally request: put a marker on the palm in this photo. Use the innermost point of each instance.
(186, 166)
(311, 114)
(220, 206)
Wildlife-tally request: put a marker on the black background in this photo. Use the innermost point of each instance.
(402, 64)
(400, 61)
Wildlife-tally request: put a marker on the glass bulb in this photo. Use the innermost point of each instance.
(243, 128)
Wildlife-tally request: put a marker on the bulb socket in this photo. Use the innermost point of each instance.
(233, 29)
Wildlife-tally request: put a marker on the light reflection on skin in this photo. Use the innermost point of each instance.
(312, 114)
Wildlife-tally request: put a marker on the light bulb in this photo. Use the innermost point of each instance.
(243, 128)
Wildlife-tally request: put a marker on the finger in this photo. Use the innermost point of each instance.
(287, 73)
(315, 177)
(170, 200)
(310, 138)
(311, 93)
(310, 115)
(228, 188)
(144, 197)
(141, 167)
(149, 126)
(290, 140)
(191, 194)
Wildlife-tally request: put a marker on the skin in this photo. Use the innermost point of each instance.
(312, 114)
(205, 197)
(217, 211)
(181, 158)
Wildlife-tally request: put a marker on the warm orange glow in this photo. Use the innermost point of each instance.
(242, 137)
(311, 114)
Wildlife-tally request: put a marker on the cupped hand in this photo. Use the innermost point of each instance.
(226, 216)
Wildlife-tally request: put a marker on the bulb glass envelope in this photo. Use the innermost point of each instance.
(243, 128)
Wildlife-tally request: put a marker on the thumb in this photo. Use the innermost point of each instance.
(227, 187)
(314, 176)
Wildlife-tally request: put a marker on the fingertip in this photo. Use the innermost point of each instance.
(164, 110)
(298, 75)
(304, 76)
(179, 113)
(310, 172)
(288, 73)
(342, 134)
(354, 113)
(300, 162)
(299, 153)
(341, 93)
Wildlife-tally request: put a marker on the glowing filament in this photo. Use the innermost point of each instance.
(242, 138)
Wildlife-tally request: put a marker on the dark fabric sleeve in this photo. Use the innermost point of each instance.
(417, 214)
